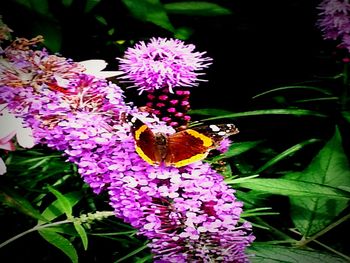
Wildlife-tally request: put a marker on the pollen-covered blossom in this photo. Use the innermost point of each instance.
(163, 63)
(334, 21)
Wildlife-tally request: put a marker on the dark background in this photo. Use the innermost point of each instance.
(260, 46)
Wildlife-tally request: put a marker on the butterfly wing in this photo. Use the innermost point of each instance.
(146, 143)
(187, 146)
(192, 145)
(217, 132)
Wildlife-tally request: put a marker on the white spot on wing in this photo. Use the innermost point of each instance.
(214, 128)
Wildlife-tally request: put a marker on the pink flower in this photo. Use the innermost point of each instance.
(189, 214)
(334, 21)
(163, 63)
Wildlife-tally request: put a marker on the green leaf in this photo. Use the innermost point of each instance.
(210, 112)
(240, 179)
(38, 6)
(150, 11)
(288, 88)
(51, 32)
(54, 210)
(286, 154)
(145, 259)
(61, 243)
(236, 149)
(132, 253)
(82, 233)
(346, 115)
(196, 9)
(63, 203)
(66, 228)
(330, 167)
(45, 24)
(13, 199)
(278, 254)
(101, 20)
(294, 188)
(90, 4)
(226, 171)
(67, 3)
(183, 33)
(260, 211)
(295, 112)
(320, 99)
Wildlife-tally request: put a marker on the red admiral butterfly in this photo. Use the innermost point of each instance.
(180, 148)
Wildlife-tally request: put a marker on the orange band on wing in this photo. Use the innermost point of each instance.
(207, 142)
(192, 159)
(139, 131)
(144, 156)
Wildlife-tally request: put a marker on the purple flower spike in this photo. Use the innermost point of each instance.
(189, 214)
(163, 63)
(334, 21)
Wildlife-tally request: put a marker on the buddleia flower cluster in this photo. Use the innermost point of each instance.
(334, 21)
(165, 69)
(188, 214)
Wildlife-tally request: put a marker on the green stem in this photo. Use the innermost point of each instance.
(280, 235)
(38, 227)
(325, 230)
(333, 250)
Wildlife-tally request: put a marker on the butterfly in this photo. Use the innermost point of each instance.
(180, 148)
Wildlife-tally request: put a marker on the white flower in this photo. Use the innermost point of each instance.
(95, 66)
(11, 126)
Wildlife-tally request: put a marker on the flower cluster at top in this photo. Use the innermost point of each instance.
(165, 69)
(188, 214)
(334, 21)
(163, 63)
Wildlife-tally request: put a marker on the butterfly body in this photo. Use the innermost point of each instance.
(180, 148)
